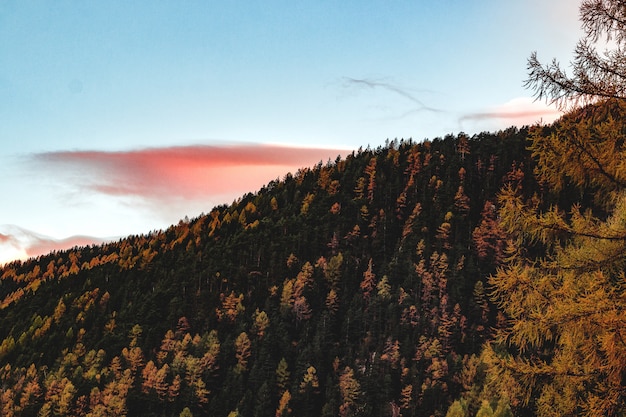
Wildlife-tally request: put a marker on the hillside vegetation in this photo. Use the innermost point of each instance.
(359, 287)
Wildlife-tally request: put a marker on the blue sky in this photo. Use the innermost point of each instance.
(87, 87)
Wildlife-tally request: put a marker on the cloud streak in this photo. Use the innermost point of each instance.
(523, 110)
(377, 84)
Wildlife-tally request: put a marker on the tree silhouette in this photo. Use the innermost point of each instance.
(595, 76)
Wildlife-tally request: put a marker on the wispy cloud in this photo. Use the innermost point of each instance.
(519, 111)
(5, 238)
(20, 243)
(374, 84)
(181, 172)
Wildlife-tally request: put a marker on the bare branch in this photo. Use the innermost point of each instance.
(594, 77)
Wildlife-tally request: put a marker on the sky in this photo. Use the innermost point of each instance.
(120, 118)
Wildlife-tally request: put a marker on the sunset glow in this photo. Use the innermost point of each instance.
(187, 172)
(194, 176)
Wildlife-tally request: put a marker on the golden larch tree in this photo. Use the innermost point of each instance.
(567, 307)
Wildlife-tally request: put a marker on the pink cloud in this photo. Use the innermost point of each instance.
(520, 111)
(45, 245)
(20, 243)
(184, 172)
(5, 238)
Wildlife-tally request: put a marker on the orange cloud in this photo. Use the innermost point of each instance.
(183, 172)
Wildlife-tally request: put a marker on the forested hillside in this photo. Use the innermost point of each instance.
(459, 277)
(355, 287)
(463, 276)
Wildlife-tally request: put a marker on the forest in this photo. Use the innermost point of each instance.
(360, 286)
(355, 287)
(461, 276)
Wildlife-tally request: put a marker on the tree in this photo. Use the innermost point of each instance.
(282, 375)
(302, 309)
(174, 389)
(461, 202)
(134, 357)
(232, 306)
(193, 378)
(261, 323)
(264, 404)
(149, 377)
(568, 312)
(384, 288)
(369, 281)
(242, 351)
(160, 385)
(595, 76)
(458, 409)
(332, 301)
(186, 412)
(298, 301)
(350, 391)
(485, 410)
(332, 270)
(134, 335)
(309, 380)
(565, 295)
(283, 409)
(406, 397)
(488, 237)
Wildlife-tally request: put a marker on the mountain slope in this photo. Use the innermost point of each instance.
(354, 287)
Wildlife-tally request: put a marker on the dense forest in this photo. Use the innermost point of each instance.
(375, 285)
(355, 287)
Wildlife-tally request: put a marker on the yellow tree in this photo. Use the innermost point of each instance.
(332, 301)
(567, 309)
(242, 352)
(309, 380)
(261, 323)
(283, 405)
(350, 391)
